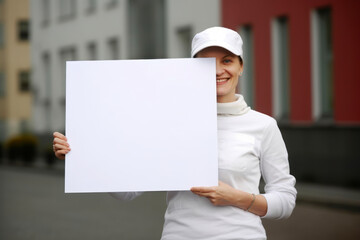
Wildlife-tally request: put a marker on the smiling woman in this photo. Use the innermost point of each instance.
(250, 146)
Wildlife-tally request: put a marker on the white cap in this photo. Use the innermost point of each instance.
(219, 37)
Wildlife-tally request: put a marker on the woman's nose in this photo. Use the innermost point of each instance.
(219, 69)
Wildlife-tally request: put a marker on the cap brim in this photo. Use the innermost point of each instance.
(215, 44)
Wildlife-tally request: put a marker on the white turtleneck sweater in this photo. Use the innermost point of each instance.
(250, 145)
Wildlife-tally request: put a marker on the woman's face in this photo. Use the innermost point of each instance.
(228, 70)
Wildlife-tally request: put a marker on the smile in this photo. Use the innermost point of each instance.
(223, 80)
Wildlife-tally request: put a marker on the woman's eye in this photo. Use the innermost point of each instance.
(227, 61)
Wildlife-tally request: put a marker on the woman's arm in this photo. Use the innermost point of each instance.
(280, 192)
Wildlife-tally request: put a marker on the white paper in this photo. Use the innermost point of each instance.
(141, 125)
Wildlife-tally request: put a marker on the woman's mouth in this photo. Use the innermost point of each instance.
(221, 81)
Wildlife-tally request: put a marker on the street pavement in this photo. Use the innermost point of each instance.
(33, 205)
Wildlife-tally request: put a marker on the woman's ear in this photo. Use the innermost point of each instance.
(241, 66)
(241, 70)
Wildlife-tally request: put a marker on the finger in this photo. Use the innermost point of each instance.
(202, 194)
(59, 135)
(60, 156)
(61, 147)
(61, 153)
(61, 142)
(202, 189)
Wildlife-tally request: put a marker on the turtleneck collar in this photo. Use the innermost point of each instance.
(238, 107)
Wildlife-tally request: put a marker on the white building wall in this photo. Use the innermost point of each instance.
(103, 24)
(195, 15)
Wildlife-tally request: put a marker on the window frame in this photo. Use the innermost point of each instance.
(281, 68)
(322, 75)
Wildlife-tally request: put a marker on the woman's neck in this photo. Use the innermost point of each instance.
(226, 99)
(237, 107)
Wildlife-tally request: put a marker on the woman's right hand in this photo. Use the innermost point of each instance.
(60, 145)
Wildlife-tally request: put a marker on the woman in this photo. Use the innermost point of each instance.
(250, 146)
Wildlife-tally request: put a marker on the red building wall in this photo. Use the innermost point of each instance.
(346, 50)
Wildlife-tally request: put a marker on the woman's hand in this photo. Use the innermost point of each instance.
(60, 145)
(225, 195)
(221, 195)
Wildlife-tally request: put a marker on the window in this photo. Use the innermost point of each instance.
(45, 12)
(91, 6)
(47, 83)
(2, 85)
(66, 54)
(3, 130)
(47, 74)
(246, 85)
(67, 9)
(185, 37)
(280, 68)
(113, 49)
(24, 81)
(322, 64)
(2, 35)
(92, 51)
(146, 29)
(23, 30)
(112, 3)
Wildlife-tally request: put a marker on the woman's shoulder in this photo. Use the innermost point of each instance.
(259, 117)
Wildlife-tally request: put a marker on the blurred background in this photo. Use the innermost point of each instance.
(300, 67)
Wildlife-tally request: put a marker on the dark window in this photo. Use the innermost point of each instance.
(92, 51)
(247, 86)
(326, 62)
(185, 35)
(281, 68)
(113, 49)
(2, 84)
(322, 57)
(23, 30)
(2, 33)
(24, 81)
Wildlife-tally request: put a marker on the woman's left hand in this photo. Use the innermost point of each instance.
(225, 195)
(221, 195)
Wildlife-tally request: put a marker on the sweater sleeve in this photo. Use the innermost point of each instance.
(280, 192)
(125, 196)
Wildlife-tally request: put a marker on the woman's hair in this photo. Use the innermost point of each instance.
(240, 59)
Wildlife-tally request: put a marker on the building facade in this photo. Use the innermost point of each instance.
(104, 30)
(69, 30)
(300, 67)
(15, 89)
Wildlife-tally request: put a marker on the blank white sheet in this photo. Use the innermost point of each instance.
(141, 125)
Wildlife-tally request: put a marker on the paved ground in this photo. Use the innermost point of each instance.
(33, 206)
